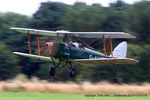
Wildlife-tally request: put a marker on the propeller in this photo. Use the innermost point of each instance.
(46, 44)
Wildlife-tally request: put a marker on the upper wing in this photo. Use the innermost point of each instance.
(35, 31)
(98, 34)
(77, 34)
(106, 61)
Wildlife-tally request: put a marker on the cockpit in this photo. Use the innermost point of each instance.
(76, 45)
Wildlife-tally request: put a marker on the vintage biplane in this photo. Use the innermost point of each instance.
(63, 52)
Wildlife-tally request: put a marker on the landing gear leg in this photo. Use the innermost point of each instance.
(52, 70)
(72, 71)
(67, 65)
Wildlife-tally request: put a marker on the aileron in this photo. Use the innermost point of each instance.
(106, 61)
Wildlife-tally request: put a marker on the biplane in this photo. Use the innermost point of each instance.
(63, 53)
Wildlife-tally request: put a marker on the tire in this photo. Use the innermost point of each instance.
(52, 71)
(72, 72)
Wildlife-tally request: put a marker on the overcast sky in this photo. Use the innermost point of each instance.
(28, 7)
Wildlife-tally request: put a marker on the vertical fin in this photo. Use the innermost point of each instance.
(121, 50)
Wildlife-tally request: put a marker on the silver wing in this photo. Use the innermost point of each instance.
(106, 61)
(77, 34)
(103, 61)
(33, 56)
(35, 31)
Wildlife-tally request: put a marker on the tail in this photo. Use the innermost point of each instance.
(121, 50)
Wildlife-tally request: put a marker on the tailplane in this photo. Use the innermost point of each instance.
(121, 50)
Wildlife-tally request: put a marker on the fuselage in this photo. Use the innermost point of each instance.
(71, 50)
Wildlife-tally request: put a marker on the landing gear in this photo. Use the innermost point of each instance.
(52, 71)
(67, 65)
(72, 72)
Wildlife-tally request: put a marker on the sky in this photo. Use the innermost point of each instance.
(28, 7)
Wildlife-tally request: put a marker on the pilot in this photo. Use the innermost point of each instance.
(71, 44)
(81, 46)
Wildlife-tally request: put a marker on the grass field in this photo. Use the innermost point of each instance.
(74, 88)
(60, 96)
(23, 89)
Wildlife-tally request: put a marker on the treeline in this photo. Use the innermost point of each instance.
(119, 16)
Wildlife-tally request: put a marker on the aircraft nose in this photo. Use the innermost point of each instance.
(49, 46)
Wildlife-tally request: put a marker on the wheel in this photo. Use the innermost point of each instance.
(52, 71)
(72, 72)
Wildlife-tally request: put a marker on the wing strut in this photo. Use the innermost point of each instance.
(29, 42)
(104, 45)
(111, 49)
(38, 46)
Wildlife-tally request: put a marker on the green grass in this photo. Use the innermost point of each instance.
(60, 96)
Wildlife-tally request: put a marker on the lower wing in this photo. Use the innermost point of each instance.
(103, 61)
(33, 56)
(106, 61)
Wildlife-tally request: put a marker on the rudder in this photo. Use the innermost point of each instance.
(121, 50)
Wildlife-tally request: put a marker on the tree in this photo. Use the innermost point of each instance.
(115, 17)
(12, 39)
(81, 17)
(138, 21)
(8, 64)
(145, 63)
(49, 16)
